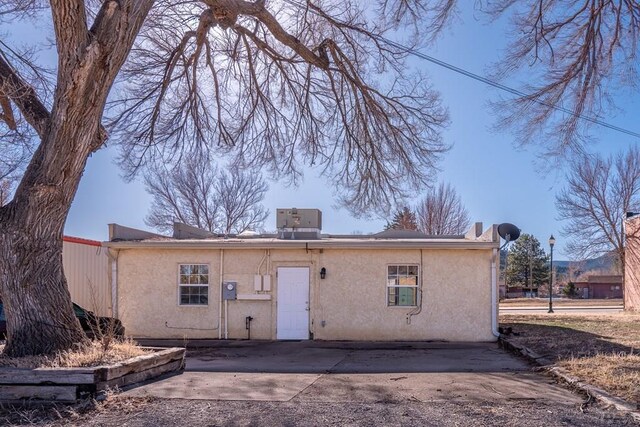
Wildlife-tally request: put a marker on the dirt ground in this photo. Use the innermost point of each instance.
(119, 411)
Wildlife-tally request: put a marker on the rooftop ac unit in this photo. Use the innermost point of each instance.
(299, 218)
(299, 223)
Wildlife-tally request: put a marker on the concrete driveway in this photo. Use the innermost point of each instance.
(314, 371)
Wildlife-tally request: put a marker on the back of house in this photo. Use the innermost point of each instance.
(301, 284)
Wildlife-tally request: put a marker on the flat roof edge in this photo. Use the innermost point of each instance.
(302, 244)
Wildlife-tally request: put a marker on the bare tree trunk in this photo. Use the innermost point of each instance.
(40, 318)
(37, 303)
(38, 308)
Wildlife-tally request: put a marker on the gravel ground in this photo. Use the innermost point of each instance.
(119, 411)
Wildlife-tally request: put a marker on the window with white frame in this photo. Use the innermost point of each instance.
(193, 284)
(402, 285)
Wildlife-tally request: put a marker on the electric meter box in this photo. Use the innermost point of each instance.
(229, 290)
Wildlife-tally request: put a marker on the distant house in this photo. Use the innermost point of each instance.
(86, 267)
(521, 292)
(600, 287)
(301, 284)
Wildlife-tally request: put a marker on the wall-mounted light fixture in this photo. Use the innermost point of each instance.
(323, 273)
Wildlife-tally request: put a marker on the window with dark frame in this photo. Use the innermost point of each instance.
(193, 283)
(402, 285)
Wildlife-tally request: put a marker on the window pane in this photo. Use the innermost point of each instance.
(393, 270)
(184, 269)
(408, 281)
(204, 269)
(184, 279)
(407, 296)
(204, 279)
(402, 269)
(392, 281)
(392, 296)
(413, 270)
(194, 295)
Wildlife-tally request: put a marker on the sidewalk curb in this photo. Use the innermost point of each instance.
(562, 375)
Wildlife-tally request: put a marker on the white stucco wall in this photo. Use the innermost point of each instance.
(350, 302)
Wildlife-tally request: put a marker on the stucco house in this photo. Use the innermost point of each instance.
(300, 284)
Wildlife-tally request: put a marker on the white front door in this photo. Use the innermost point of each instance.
(293, 303)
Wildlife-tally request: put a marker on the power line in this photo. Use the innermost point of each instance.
(482, 79)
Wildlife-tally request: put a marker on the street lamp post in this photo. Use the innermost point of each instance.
(552, 241)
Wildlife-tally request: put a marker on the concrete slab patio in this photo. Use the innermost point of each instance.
(356, 372)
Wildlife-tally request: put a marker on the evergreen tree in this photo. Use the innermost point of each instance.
(404, 219)
(527, 264)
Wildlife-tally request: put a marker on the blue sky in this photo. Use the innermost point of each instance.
(496, 181)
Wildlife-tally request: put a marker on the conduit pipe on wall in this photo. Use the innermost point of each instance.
(494, 295)
(220, 297)
(114, 281)
(266, 251)
(226, 316)
(418, 309)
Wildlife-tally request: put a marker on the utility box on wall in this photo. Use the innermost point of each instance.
(229, 290)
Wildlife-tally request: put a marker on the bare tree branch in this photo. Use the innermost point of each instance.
(441, 212)
(598, 194)
(278, 88)
(582, 51)
(198, 194)
(240, 196)
(14, 88)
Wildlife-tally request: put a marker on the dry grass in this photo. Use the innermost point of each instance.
(617, 373)
(92, 354)
(543, 302)
(74, 414)
(603, 350)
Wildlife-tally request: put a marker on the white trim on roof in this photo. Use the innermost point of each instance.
(305, 244)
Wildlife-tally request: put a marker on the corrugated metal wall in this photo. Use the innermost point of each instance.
(86, 267)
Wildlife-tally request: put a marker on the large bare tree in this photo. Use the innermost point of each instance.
(274, 85)
(240, 195)
(441, 212)
(598, 194)
(199, 194)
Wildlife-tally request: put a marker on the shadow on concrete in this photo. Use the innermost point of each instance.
(311, 357)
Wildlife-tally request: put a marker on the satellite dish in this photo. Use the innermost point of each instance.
(508, 232)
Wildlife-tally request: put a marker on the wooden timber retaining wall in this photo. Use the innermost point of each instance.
(18, 385)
